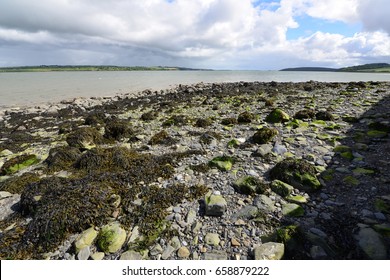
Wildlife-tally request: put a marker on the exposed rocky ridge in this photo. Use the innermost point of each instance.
(183, 173)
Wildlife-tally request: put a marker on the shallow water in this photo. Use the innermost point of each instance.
(27, 89)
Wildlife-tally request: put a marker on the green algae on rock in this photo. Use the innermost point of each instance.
(277, 116)
(111, 238)
(223, 163)
(281, 188)
(18, 163)
(250, 185)
(296, 172)
(245, 117)
(215, 204)
(269, 251)
(293, 210)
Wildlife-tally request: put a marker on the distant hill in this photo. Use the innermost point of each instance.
(316, 69)
(52, 68)
(372, 67)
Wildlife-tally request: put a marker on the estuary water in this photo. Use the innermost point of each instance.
(33, 88)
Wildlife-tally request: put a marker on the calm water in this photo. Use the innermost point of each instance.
(26, 89)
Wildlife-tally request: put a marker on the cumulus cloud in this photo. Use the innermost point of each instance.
(197, 33)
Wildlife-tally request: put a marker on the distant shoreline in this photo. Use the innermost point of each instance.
(366, 68)
(64, 68)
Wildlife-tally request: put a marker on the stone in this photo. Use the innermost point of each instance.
(134, 235)
(371, 243)
(215, 204)
(175, 242)
(279, 149)
(296, 199)
(212, 239)
(269, 251)
(250, 185)
(85, 239)
(281, 188)
(215, 255)
(156, 250)
(235, 243)
(97, 256)
(5, 194)
(18, 163)
(130, 256)
(264, 203)
(167, 252)
(293, 210)
(248, 212)
(264, 150)
(111, 238)
(84, 253)
(223, 163)
(318, 253)
(183, 252)
(191, 216)
(8, 206)
(277, 116)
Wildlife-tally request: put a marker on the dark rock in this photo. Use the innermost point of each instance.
(264, 135)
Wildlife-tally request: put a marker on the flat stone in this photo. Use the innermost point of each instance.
(247, 212)
(191, 216)
(380, 216)
(175, 242)
(155, 250)
(281, 188)
(235, 243)
(111, 238)
(130, 256)
(264, 203)
(212, 239)
(269, 251)
(5, 194)
(318, 232)
(215, 255)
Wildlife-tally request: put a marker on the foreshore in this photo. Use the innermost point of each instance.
(241, 171)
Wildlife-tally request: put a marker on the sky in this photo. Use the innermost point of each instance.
(212, 34)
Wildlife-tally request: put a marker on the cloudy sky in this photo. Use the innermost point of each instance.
(218, 34)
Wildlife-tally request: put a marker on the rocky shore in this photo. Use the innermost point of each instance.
(208, 171)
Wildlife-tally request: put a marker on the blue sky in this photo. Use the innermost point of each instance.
(217, 34)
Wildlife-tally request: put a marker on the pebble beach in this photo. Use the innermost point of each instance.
(209, 171)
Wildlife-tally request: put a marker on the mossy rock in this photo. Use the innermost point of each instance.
(376, 134)
(298, 173)
(292, 210)
(342, 149)
(277, 116)
(18, 163)
(118, 130)
(382, 205)
(264, 135)
(383, 229)
(111, 238)
(223, 163)
(363, 171)
(250, 185)
(350, 180)
(380, 126)
(281, 188)
(234, 143)
(95, 118)
(84, 138)
(296, 199)
(305, 114)
(209, 136)
(245, 117)
(162, 138)
(216, 205)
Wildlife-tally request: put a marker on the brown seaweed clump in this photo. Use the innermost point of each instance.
(18, 163)
(162, 138)
(62, 158)
(118, 130)
(264, 135)
(84, 138)
(305, 114)
(17, 184)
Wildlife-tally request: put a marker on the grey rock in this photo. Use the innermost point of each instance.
(84, 253)
(212, 239)
(264, 150)
(131, 256)
(215, 205)
(8, 206)
(279, 149)
(155, 250)
(191, 216)
(168, 252)
(215, 255)
(248, 212)
(371, 243)
(264, 203)
(318, 253)
(367, 213)
(318, 232)
(380, 216)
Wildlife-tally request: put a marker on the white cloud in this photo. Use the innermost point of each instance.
(204, 33)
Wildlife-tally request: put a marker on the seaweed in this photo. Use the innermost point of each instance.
(118, 130)
(17, 184)
(18, 163)
(84, 138)
(62, 158)
(162, 138)
(264, 135)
